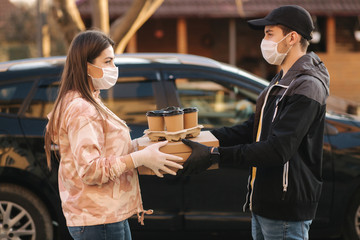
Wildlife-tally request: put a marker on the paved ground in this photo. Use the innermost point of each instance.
(195, 236)
(188, 236)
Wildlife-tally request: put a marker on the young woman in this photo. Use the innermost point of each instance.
(98, 182)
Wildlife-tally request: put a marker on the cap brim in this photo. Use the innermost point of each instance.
(259, 23)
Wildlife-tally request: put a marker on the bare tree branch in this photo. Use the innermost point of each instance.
(68, 17)
(125, 27)
(100, 14)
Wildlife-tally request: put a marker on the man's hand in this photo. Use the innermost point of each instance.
(199, 160)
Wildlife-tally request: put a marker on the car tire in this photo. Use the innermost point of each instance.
(352, 221)
(16, 201)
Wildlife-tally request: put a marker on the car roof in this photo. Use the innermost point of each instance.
(134, 58)
(31, 63)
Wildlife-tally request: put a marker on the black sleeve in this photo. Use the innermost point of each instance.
(238, 134)
(287, 134)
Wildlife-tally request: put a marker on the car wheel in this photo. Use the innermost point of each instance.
(23, 215)
(352, 223)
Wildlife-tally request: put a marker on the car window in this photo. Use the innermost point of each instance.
(219, 104)
(43, 101)
(12, 96)
(130, 100)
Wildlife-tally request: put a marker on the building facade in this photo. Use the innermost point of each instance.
(218, 29)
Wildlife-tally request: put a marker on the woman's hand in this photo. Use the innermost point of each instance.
(152, 158)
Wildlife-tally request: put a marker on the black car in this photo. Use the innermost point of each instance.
(209, 202)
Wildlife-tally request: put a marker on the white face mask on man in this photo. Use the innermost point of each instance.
(108, 79)
(270, 52)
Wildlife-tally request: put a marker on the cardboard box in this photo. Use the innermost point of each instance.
(178, 148)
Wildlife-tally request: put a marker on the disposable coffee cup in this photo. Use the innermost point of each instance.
(155, 120)
(190, 117)
(174, 120)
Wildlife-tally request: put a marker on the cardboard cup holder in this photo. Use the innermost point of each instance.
(156, 136)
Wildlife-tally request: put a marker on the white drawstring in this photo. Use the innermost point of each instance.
(285, 176)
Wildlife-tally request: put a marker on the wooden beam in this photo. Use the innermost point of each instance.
(182, 46)
(43, 31)
(46, 42)
(232, 41)
(330, 35)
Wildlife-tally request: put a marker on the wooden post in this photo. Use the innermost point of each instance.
(182, 36)
(46, 42)
(232, 42)
(43, 33)
(330, 35)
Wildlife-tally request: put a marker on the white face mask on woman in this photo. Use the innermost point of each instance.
(270, 52)
(109, 78)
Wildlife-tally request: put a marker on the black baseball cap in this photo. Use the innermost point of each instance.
(292, 16)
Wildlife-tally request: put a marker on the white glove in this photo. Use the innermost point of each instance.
(152, 158)
(135, 144)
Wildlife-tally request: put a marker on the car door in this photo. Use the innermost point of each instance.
(33, 120)
(213, 200)
(12, 151)
(137, 91)
(341, 161)
(323, 213)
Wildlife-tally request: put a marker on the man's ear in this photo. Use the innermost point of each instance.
(294, 37)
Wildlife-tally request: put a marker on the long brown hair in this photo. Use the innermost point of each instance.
(85, 47)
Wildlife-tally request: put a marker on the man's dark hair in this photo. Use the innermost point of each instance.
(303, 42)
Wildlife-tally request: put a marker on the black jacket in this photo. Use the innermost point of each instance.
(288, 155)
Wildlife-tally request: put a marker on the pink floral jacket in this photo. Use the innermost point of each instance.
(94, 186)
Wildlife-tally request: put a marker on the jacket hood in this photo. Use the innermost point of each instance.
(310, 64)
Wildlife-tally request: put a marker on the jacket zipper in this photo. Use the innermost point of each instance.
(252, 182)
(286, 165)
